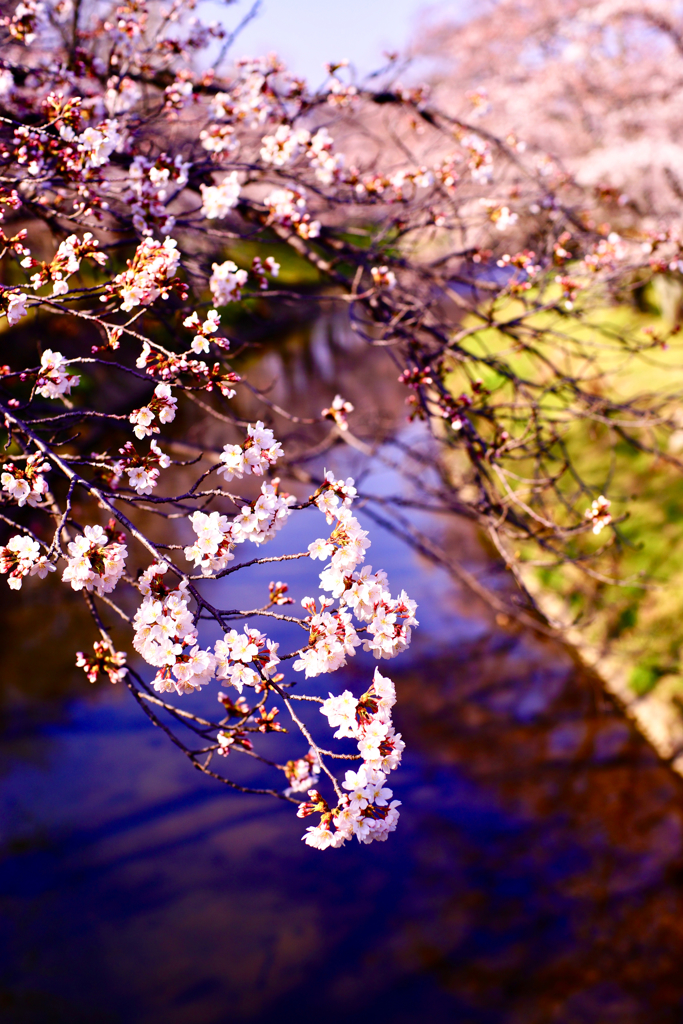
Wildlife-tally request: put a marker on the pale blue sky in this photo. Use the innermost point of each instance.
(307, 33)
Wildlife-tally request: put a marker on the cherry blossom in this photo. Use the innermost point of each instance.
(104, 660)
(218, 200)
(226, 282)
(367, 810)
(332, 638)
(338, 412)
(204, 330)
(302, 773)
(259, 521)
(163, 405)
(288, 208)
(259, 451)
(97, 144)
(599, 514)
(148, 274)
(27, 485)
(16, 307)
(212, 550)
(151, 185)
(383, 277)
(97, 560)
(53, 380)
(166, 636)
(244, 658)
(21, 557)
(119, 145)
(284, 145)
(142, 470)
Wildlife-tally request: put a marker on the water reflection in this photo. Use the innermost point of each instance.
(536, 875)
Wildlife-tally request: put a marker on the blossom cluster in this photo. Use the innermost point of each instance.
(166, 635)
(259, 451)
(53, 379)
(21, 557)
(480, 160)
(259, 87)
(599, 515)
(213, 547)
(366, 811)
(27, 485)
(218, 200)
(163, 406)
(104, 660)
(149, 273)
(226, 282)
(287, 207)
(217, 535)
(15, 306)
(143, 470)
(338, 411)
(383, 277)
(219, 140)
(302, 773)
(283, 147)
(333, 636)
(169, 367)
(152, 184)
(261, 519)
(65, 263)
(204, 330)
(96, 144)
(97, 559)
(243, 659)
(77, 154)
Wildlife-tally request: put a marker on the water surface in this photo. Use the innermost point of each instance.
(536, 874)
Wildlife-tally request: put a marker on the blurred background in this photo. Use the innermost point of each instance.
(307, 34)
(537, 873)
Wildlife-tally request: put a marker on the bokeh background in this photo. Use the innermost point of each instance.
(307, 33)
(537, 873)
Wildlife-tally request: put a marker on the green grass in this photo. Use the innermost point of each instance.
(639, 619)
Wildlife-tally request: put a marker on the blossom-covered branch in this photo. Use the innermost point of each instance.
(149, 205)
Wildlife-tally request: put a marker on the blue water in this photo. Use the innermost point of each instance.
(536, 876)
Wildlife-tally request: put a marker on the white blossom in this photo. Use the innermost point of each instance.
(95, 563)
(213, 548)
(153, 265)
(16, 307)
(53, 380)
(218, 200)
(284, 145)
(259, 451)
(226, 282)
(21, 557)
(97, 144)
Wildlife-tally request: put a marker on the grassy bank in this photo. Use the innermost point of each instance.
(637, 616)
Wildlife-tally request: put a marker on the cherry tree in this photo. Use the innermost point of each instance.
(140, 172)
(597, 85)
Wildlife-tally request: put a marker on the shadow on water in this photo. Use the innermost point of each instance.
(536, 875)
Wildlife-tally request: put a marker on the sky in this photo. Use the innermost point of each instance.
(308, 33)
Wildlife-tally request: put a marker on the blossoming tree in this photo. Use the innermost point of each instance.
(134, 184)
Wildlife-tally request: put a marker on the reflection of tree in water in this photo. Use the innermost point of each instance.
(40, 629)
(563, 900)
(536, 875)
(535, 878)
